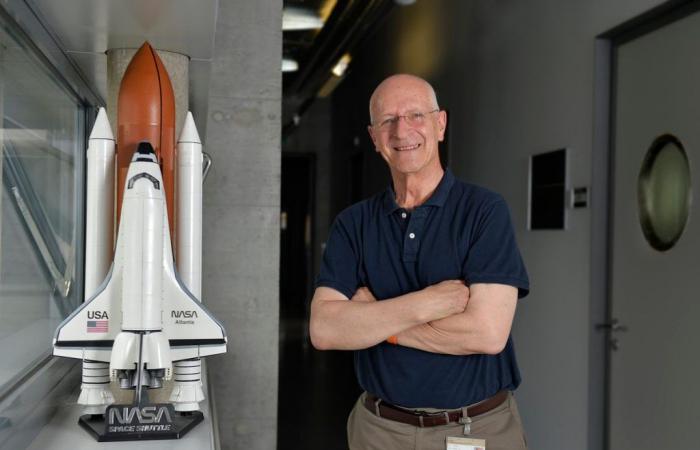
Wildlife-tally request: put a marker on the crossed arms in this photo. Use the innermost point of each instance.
(447, 317)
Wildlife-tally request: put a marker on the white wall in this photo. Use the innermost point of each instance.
(533, 92)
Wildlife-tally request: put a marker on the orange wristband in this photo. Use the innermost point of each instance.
(393, 340)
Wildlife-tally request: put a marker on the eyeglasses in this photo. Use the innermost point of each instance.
(413, 119)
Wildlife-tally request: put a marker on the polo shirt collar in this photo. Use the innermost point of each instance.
(438, 198)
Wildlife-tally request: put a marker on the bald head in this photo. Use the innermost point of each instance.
(401, 83)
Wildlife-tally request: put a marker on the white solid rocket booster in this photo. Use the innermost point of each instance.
(187, 390)
(95, 394)
(189, 212)
(99, 221)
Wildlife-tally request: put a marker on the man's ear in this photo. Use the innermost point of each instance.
(442, 124)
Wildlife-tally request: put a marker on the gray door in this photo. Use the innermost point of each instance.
(655, 370)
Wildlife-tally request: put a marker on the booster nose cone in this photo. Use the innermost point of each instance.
(189, 131)
(102, 128)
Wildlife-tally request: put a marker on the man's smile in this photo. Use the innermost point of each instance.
(405, 148)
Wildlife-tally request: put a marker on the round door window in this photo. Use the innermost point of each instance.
(664, 192)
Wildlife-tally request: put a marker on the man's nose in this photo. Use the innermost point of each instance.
(400, 126)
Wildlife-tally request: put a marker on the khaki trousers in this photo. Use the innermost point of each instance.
(501, 428)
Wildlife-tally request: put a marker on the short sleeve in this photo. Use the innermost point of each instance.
(493, 255)
(340, 262)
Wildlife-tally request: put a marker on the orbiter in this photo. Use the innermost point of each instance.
(142, 321)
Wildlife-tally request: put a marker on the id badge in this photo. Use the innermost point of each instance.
(463, 443)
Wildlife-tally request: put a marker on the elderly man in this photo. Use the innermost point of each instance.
(422, 281)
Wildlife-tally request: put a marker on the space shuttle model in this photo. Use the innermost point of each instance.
(142, 321)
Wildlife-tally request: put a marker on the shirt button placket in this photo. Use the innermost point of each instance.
(414, 228)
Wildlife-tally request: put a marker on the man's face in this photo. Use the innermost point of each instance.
(409, 145)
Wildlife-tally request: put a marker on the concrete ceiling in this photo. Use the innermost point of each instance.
(86, 29)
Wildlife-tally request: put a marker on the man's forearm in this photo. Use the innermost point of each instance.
(455, 335)
(482, 328)
(339, 324)
(352, 325)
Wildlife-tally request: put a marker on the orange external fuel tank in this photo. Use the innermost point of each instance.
(146, 112)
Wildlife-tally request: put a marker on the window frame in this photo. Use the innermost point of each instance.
(33, 396)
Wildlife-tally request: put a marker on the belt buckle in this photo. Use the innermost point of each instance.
(423, 414)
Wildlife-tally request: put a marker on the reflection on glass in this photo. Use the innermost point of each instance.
(664, 192)
(40, 141)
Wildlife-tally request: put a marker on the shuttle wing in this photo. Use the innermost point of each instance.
(192, 330)
(89, 332)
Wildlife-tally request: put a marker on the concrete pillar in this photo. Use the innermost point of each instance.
(241, 219)
(177, 66)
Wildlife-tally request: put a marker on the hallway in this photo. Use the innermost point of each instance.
(316, 392)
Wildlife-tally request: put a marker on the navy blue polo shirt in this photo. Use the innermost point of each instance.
(461, 232)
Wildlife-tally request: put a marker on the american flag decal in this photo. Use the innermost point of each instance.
(97, 326)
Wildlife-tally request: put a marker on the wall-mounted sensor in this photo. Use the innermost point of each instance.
(579, 197)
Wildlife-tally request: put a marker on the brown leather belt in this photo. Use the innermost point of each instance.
(422, 419)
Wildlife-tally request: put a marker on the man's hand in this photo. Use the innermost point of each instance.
(363, 295)
(449, 297)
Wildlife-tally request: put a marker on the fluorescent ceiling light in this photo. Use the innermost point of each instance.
(289, 65)
(296, 18)
(342, 65)
(326, 9)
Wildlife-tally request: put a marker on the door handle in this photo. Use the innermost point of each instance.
(613, 326)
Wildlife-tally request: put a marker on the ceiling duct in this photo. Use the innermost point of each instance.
(350, 23)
